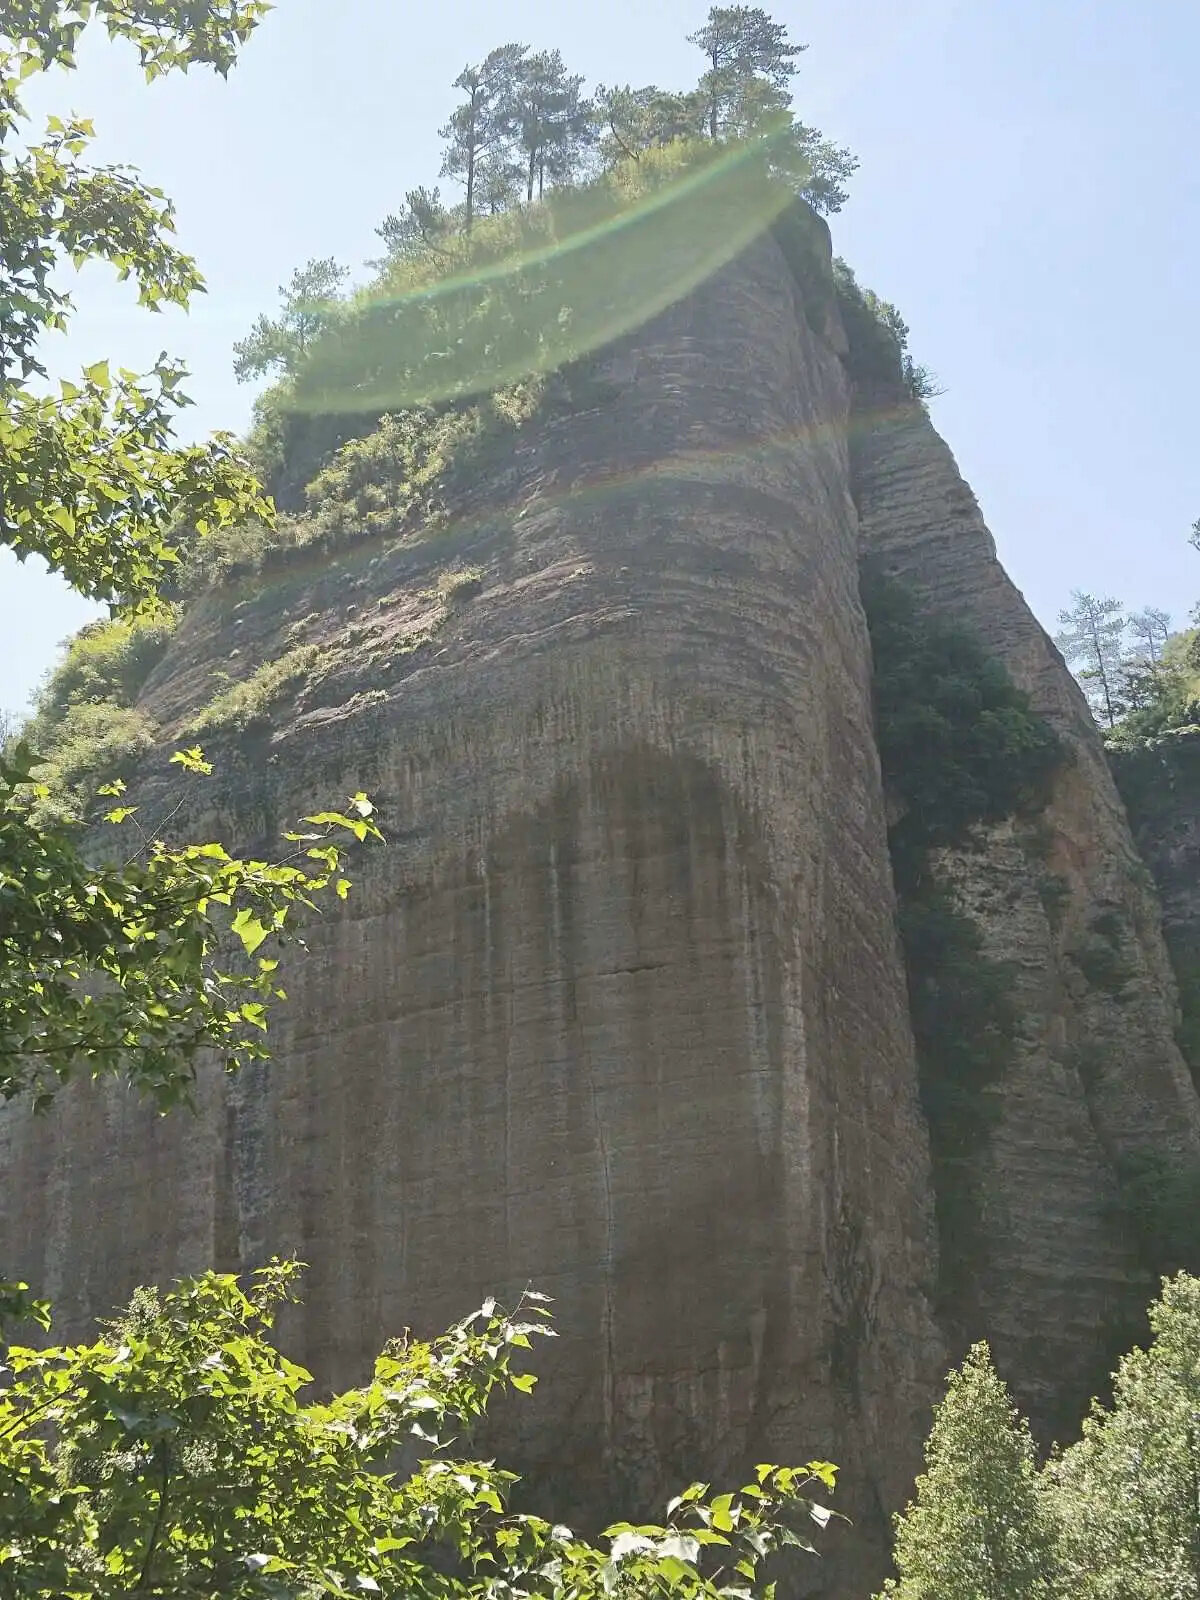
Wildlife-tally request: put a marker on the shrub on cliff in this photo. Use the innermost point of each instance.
(960, 747)
(179, 1455)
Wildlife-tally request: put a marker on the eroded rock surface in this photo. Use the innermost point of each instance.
(1098, 1079)
(619, 1010)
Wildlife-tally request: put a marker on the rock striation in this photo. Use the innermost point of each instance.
(1097, 1081)
(621, 1009)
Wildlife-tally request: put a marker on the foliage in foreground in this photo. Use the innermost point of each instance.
(91, 478)
(179, 1455)
(133, 969)
(1115, 1516)
(129, 967)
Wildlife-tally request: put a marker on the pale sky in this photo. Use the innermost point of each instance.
(1027, 196)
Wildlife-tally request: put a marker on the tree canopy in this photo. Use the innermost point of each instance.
(977, 1526)
(181, 1454)
(130, 965)
(279, 344)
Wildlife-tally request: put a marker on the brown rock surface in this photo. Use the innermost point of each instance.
(619, 1009)
(1098, 1078)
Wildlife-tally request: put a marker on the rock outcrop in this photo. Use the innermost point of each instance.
(1097, 1080)
(1159, 784)
(620, 1009)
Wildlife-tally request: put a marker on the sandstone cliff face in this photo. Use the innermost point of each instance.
(1097, 1078)
(619, 1009)
(1161, 788)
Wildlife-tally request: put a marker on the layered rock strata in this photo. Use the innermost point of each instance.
(1065, 900)
(619, 1010)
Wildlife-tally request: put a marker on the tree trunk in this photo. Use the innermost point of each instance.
(532, 170)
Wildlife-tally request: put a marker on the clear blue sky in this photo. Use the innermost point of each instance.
(1027, 196)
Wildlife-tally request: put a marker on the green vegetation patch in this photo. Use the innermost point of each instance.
(1152, 772)
(878, 339)
(1183, 945)
(1160, 1199)
(249, 702)
(85, 727)
(960, 746)
(1099, 954)
(959, 742)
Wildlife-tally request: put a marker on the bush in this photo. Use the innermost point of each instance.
(93, 744)
(85, 727)
(878, 338)
(393, 479)
(459, 583)
(1161, 1202)
(958, 741)
(104, 661)
(1098, 955)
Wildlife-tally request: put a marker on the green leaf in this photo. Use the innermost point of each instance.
(249, 930)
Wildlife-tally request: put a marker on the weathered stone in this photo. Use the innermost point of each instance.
(620, 1009)
(1098, 1078)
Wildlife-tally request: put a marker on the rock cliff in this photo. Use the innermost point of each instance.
(1097, 1082)
(621, 1008)
(1159, 783)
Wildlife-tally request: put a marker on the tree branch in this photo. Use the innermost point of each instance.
(163, 1451)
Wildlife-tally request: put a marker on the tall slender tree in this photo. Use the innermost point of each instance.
(475, 129)
(543, 113)
(978, 1528)
(1127, 1495)
(1092, 636)
(743, 44)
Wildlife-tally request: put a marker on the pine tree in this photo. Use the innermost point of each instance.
(476, 128)
(419, 226)
(632, 120)
(280, 345)
(544, 116)
(1150, 629)
(1092, 633)
(1127, 1495)
(978, 1528)
(743, 44)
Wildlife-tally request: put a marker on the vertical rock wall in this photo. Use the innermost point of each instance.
(620, 1009)
(1098, 1078)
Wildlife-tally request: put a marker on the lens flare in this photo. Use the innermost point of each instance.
(545, 286)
